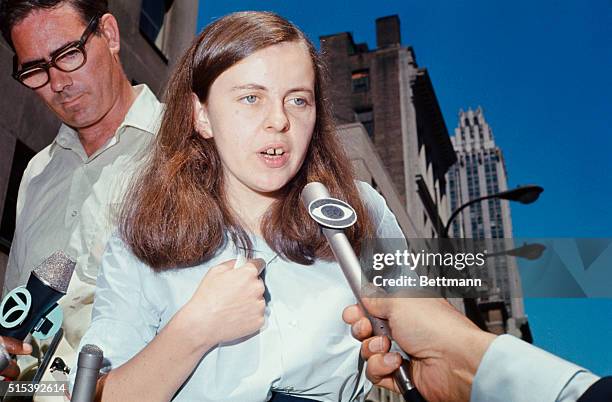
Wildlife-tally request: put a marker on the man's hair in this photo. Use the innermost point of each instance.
(13, 12)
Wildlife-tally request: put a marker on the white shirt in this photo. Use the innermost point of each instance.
(515, 371)
(304, 348)
(67, 201)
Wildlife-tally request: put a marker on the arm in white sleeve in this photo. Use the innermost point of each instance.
(123, 321)
(384, 221)
(13, 270)
(515, 371)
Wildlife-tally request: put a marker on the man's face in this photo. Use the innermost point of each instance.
(79, 98)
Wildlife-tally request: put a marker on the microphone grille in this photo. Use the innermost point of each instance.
(91, 350)
(56, 271)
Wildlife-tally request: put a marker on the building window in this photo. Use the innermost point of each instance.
(366, 117)
(154, 17)
(21, 157)
(360, 80)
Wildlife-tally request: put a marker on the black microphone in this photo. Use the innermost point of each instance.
(88, 370)
(24, 307)
(333, 216)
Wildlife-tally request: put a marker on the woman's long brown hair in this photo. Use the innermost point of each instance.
(176, 214)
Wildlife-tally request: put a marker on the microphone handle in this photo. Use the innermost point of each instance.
(351, 267)
(407, 389)
(84, 385)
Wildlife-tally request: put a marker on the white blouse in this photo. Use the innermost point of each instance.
(304, 348)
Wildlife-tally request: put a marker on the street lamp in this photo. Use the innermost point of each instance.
(523, 194)
(531, 251)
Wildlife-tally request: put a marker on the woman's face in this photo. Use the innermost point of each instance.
(261, 114)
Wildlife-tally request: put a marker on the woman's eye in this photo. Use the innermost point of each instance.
(299, 101)
(249, 99)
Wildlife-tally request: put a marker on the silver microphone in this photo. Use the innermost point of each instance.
(88, 370)
(334, 216)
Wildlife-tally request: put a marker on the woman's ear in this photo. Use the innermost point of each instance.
(200, 118)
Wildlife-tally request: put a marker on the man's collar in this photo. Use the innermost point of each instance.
(144, 114)
(67, 137)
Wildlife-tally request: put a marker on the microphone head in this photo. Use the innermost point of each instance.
(90, 357)
(327, 211)
(56, 271)
(92, 350)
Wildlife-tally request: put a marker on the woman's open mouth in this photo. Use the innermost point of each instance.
(274, 157)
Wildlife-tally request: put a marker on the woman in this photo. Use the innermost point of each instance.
(171, 314)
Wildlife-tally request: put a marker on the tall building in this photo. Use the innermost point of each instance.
(481, 171)
(393, 98)
(154, 33)
(393, 130)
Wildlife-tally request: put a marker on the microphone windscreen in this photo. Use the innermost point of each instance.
(56, 271)
(92, 350)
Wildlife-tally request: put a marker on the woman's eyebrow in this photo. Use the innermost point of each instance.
(259, 87)
(301, 89)
(249, 86)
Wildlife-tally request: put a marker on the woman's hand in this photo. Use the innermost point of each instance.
(228, 304)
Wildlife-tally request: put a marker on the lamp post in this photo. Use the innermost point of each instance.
(531, 251)
(523, 194)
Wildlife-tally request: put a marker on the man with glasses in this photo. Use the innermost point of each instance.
(67, 53)
(68, 58)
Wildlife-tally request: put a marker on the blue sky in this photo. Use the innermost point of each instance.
(542, 71)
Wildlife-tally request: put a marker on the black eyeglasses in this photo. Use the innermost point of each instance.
(67, 59)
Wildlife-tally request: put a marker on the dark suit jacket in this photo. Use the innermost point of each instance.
(601, 391)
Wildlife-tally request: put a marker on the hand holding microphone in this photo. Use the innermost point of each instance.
(446, 346)
(25, 308)
(333, 216)
(8, 347)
